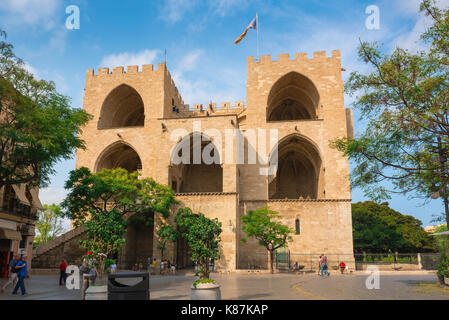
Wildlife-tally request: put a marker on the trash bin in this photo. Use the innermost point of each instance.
(120, 291)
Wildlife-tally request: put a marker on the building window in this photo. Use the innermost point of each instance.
(297, 226)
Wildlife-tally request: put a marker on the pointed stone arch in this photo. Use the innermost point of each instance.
(187, 175)
(292, 97)
(123, 107)
(119, 155)
(299, 170)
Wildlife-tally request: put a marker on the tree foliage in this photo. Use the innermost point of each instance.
(262, 224)
(37, 125)
(405, 101)
(103, 202)
(378, 229)
(203, 237)
(166, 233)
(49, 224)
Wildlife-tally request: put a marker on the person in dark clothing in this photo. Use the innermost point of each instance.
(21, 268)
(62, 272)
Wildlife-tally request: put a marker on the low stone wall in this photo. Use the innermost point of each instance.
(389, 267)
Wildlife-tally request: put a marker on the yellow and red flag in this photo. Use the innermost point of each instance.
(252, 25)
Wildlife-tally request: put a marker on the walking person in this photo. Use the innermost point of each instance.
(21, 268)
(62, 272)
(323, 264)
(12, 272)
(153, 266)
(319, 264)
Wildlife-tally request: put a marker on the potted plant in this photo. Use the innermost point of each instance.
(203, 237)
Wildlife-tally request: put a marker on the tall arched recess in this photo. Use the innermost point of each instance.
(292, 97)
(119, 155)
(123, 107)
(299, 170)
(195, 173)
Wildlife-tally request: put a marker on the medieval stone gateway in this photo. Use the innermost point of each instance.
(136, 112)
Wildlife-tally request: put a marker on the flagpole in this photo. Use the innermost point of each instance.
(257, 24)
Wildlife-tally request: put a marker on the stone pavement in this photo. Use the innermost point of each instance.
(415, 286)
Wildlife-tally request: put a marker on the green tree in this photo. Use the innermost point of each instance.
(37, 125)
(166, 234)
(405, 103)
(103, 202)
(378, 228)
(49, 224)
(263, 225)
(203, 237)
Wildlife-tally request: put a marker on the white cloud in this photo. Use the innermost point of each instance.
(411, 40)
(32, 70)
(200, 84)
(129, 59)
(174, 10)
(30, 12)
(190, 61)
(411, 7)
(52, 195)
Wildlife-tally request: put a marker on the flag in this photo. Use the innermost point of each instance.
(252, 25)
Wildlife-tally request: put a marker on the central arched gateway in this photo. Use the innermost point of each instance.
(138, 247)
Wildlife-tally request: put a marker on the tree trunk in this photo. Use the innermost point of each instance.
(443, 159)
(271, 260)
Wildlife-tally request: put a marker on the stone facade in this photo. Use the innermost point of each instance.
(140, 122)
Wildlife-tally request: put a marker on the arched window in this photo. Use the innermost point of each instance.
(123, 107)
(119, 155)
(191, 171)
(292, 97)
(297, 226)
(298, 170)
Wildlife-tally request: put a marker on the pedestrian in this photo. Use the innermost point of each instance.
(92, 275)
(168, 266)
(162, 267)
(62, 272)
(173, 269)
(113, 267)
(319, 264)
(135, 267)
(153, 266)
(140, 267)
(21, 268)
(12, 272)
(342, 267)
(323, 263)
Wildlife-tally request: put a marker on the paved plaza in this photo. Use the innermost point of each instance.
(415, 286)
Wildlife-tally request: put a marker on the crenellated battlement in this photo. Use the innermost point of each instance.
(318, 56)
(131, 70)
(200, 110)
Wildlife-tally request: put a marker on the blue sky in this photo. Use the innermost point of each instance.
(201, 56)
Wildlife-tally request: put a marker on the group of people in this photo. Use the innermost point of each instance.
(17, 272)
(323, 265)
(167, 267)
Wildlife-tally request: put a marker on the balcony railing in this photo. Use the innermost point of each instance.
(21, 211)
